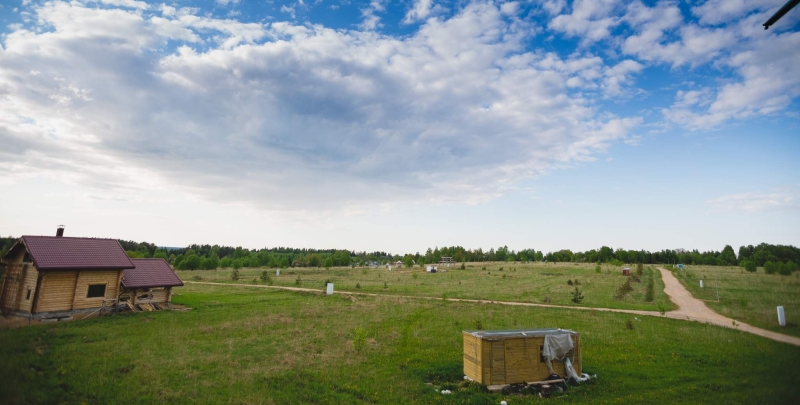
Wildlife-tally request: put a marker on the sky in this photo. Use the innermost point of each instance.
(398, 126)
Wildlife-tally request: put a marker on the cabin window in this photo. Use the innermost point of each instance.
(28, 296)
(96, 291)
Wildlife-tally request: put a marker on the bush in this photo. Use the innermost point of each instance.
(598, 269)
(791, 266)
(783, 269)
(297, 281)
(623, 290)
(629, 324)
(358, 286)
(463, 267)
(385, 285)
(569, 282)
(265, 277)
(749, 266)
(639, 269)
(648, 296)
(577, 297)
(770, 268)
(235, 275)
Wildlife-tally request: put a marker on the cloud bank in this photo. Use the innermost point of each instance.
(122, 95)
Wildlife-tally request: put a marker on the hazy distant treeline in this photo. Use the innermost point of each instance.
(774, 258)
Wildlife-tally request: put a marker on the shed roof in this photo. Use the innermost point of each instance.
(150, 273)
(519, 332)
(62, 253)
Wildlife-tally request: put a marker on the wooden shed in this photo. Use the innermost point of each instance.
(496, 357)
(55, 273)
(150, 281)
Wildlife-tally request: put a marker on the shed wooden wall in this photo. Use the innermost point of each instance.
(85, 278)
(158, 294)
(511, 360)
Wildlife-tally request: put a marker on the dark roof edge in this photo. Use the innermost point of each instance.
(152, 285)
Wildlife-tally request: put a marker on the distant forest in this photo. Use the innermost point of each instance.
(774, 258)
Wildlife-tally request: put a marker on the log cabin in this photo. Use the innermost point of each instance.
(150, 281)
(47, 275)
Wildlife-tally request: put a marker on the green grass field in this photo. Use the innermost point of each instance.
(243, 346)
(748, 297)
(525, 282)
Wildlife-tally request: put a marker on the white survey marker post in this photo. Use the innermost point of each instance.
(701, 283)
(330, 288)
(781, 316)
(278, 272)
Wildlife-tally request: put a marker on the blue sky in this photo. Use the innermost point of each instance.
(401, 125)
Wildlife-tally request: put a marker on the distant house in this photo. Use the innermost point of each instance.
(398, 263)
(150, 281)
(46, 274)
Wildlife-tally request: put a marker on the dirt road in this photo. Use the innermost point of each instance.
(690, 308)
(693, 309)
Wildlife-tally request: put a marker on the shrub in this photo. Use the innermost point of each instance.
(769, 267)
(623, 290)
(197, 278)
(297, 281)
(569, 282)
(792, 266)
(629, 324)
(265, 277)
(479, 324)
(504, 276)
(598, 269)
(546, 299)
(640, 269)
(577, 297)
(648, 296)
(749, 266)
(783, 269)
(235, 274)
(463, 267)
(358, 286)
(385, 285)
(414, 276)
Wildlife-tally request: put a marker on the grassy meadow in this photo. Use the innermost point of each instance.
(249, 346)
(748, 297)
(524, 282)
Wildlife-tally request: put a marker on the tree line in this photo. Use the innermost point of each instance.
(773, 258)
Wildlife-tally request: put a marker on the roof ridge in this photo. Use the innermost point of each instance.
(67, 237)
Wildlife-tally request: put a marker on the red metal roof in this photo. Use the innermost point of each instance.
(150, 273)
(61, 253)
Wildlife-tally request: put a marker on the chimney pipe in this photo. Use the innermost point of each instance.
(60, 231)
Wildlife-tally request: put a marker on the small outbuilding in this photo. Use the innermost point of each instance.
(626, 271)
(499, 357)
(149, 282)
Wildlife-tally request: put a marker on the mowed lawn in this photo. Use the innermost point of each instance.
(752, 298)
(525, 282)
(252, 346)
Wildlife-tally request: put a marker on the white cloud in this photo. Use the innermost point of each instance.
(756, 202)
(372, 21)
(226, 2)
(312, 117)
(419, 11)
(723, 11)
(139, 5)
(591, 20)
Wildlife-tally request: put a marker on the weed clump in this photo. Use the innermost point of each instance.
(358, 286)
(629, 324)
(639, 269)
(385, 286)
(297, 281)
(359, 339)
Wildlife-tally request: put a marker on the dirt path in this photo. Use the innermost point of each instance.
(693, 309)
(690, 308)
